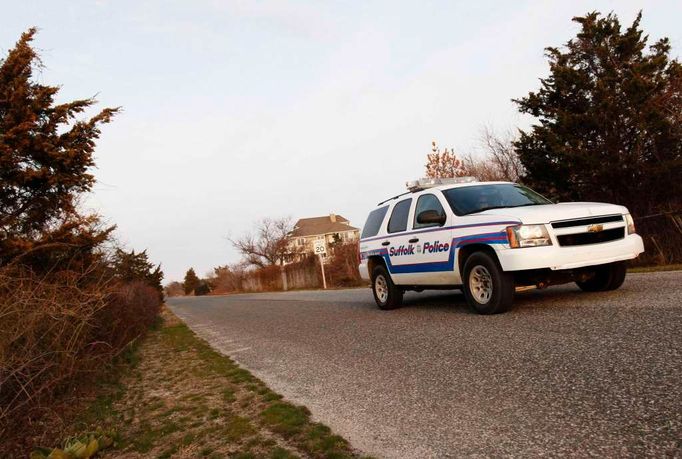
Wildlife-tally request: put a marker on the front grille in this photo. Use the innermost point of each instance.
(587, 221)
(591, 238)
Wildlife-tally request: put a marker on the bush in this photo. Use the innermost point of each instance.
(202, 289)
(662, 234)
(132, 308)
(55, 331)
(342, 269)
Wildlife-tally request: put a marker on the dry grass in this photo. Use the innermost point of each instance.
(58, 331)
(183, 399)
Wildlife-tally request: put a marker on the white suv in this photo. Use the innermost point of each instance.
(489, 239)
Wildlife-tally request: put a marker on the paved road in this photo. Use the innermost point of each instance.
(563, 373)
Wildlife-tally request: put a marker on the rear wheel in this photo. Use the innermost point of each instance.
(606, 277)
(487, 288)
(386, 294)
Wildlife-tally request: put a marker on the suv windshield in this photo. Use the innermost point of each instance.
(467, 200)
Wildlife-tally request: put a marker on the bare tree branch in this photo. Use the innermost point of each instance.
(500, 150)
(270, 244)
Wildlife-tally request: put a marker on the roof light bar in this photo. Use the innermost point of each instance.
(424, 183)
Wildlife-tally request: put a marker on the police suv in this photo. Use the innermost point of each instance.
(490, 239)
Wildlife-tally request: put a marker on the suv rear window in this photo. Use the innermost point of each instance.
(398, 221)
(374, 220)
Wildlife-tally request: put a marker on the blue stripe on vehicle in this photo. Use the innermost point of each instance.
(438, 266)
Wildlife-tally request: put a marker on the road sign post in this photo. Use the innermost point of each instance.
(320, 248)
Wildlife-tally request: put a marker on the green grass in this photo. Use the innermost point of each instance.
(238, 428)
(320, 439)
(285, 418)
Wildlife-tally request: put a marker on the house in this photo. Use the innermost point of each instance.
(332, 228)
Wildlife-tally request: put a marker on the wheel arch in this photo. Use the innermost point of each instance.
(465, 251)
(373, 262)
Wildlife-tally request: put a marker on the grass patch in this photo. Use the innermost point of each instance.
(281, 453)
(321, 440)
(144, 440)
(181, 398)
(228, 395)
(239, 375)
(285, 418)
(238, 428)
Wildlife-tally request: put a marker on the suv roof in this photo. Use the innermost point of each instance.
(444, 186)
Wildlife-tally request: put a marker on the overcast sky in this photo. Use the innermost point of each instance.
(238, 110)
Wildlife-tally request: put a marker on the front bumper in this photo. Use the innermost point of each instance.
(556, 257)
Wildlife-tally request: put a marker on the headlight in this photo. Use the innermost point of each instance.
(528, 236)
(630, 222)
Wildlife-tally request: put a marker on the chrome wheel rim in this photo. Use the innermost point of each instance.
(381, 288)
(481, 284)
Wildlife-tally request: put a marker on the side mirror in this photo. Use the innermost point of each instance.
(430, 217)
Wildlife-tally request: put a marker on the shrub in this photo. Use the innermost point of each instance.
(58, 330)
(342, 269)
(202, 289)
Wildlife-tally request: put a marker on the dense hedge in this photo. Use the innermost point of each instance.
(58, 330)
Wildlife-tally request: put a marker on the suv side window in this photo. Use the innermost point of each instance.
(398, 221)
(374, 221)
(427, 202)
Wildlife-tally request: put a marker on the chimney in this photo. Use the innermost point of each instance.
(332, 217)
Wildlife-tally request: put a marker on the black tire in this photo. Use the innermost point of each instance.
(498, 285)
(606, 277)
(386, 294)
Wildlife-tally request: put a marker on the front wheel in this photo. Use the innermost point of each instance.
(606, 277)
(386, 294)
(487, 288)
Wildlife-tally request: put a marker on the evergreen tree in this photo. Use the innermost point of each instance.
(608, 119)
(131, 266)
(191, 281)
(45, 155)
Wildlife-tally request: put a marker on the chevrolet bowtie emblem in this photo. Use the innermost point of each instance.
(595, 228)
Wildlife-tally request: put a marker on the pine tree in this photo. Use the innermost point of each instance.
(608, 119)
(131, 266)
(191, 281)
(45, 156)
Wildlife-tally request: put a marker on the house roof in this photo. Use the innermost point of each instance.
(321, 225)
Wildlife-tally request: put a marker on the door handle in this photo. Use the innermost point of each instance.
(413, 240)
(385, 242)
